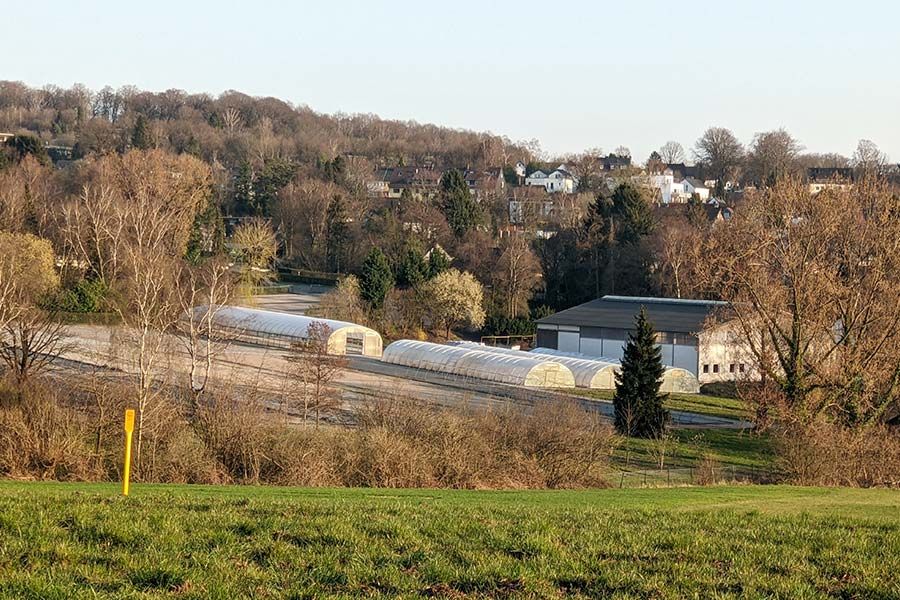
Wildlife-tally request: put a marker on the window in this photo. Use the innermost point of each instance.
(715, 368)
(731, 368)
(741, 367)
(706, 368)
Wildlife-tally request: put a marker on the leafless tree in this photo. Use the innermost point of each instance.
(868, 159)
(812, 282)
(516, 275)
(671, 152)
(202, 291)
(231, 119)
(316, 369)
(32, 342)
(721, 154)
(772, 155)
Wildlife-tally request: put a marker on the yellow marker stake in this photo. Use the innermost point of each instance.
(129, 428)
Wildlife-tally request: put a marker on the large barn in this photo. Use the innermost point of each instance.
(599, 328)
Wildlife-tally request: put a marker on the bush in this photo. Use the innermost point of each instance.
(231, 437)
(88, 296)
(503, 325)
(39, 439)
(823, 453)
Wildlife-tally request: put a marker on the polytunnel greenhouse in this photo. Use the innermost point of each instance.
(588, 373)
(477, 364)
(283, 330)
(674, 379)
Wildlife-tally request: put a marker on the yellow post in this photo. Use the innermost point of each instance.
(129, 428)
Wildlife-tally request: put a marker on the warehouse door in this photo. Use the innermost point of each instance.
(569, 341)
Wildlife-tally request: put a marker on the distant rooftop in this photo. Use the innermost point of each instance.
(667, 314)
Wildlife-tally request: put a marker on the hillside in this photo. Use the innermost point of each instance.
(70, 540)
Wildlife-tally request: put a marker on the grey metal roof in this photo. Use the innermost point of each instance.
(667, 314)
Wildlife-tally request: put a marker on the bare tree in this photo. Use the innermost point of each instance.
(721, 154)
(868, 159)
(812, 283)
(773, 155)
(316, 369)
(32, 342)
(671, 152)
(516, 275)
(202, 292)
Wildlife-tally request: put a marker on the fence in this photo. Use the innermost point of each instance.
(701, 474)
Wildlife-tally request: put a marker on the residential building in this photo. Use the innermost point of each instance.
(390, 182)
(613, 162)
(559, 180)
(674, 189)
(689, 335)
(829, 178)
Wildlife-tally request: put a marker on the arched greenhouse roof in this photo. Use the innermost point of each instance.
(268, 327)
(588, 373)
(675, 379)
(478, 364)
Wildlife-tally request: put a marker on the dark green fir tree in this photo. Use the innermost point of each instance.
(376, 279)
(637, 403)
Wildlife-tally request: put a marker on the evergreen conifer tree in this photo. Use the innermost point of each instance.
(376, 279)
(460, 208)
(637, 403)
(437, 262)
(338, 235)
(412, 269)
(244, 189)
(140, 137)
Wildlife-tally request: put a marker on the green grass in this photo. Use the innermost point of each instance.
(714, 406)
(75, 540)
(688, 447)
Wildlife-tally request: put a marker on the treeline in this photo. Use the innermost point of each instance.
(233, 128)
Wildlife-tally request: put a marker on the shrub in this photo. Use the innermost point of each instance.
(87, 296)
(824, 453)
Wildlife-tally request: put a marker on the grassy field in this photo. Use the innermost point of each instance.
(731, 454)
(714, 406)
(75, 540)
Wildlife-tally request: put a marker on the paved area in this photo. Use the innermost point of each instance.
(302, 298)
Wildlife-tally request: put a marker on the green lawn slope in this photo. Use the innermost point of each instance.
(83, 540)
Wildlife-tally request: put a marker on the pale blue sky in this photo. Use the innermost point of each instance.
(574, 75)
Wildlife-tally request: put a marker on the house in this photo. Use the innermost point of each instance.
(717, 212)
(693, 187)
(613, 162)
(557, 180)
(391, 182)
(682, 171)
(685, 333)
(5, 136)
(482, 183)
(529, 206)
(675, 189)
(829, 178)
(521, 170)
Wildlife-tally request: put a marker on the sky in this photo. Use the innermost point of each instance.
(573, 75)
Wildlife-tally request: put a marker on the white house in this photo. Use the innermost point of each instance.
(695, 186)
(673, 189)
(558, 180)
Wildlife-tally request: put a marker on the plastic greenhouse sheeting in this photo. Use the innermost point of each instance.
(270, 328)
(467, 362)
(588, 373)
(674, 380)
